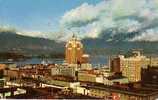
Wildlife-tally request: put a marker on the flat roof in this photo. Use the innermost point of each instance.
(124, 89)
(115, 77)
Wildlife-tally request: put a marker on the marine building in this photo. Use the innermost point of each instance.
(74, 53)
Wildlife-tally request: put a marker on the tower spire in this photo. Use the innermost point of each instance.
(73, 35)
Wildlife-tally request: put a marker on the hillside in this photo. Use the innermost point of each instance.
(11, 42)
(30, 46)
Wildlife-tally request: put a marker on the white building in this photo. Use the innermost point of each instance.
(121, 80)
(131, 66)
(89, 76)
(65, 70)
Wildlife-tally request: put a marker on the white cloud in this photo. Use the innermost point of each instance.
(149, 35)
(124, 15)
(9, 29)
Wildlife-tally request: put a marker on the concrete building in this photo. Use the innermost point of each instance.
(2, 82)
(63, 81)
(115, 65)
(131, 66)
(154, 61)
(86, 66)
(105, 71)
(65, 70)
(80, 90)
(85, 58)
(116, 79)
(90, 76)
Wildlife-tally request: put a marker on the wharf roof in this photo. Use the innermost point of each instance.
(124, 89)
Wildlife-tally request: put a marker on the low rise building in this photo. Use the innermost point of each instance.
(2, 82)
(153, 61)
(115, 79)
(121, 92)
(86, 66)
(106, 72)
(80, 90)
(65, 70)
(90, 76)
(63, 81)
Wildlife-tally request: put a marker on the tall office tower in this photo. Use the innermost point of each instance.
(131, 66)
(74, 51)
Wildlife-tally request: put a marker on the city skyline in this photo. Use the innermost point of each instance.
(132, 77)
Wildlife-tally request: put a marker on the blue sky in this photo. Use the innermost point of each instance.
(36, 15)
(56, 19)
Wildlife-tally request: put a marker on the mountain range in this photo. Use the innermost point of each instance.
(12, 42)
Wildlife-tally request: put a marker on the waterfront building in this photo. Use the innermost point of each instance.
(121, 92)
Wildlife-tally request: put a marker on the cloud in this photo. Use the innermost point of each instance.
(12, 30)
(149, 35)
(126, 17)
(7, 28)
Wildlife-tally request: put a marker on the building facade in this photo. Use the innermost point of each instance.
(131, 66)
(74, 51)
(90, 76)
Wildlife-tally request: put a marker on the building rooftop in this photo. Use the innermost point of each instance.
(116, 76)
(49, 93)
(125, 89)
(63, 78)
(93, 71)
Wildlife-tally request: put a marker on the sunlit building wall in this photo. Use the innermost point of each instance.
(131, 66)
(74, 51)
